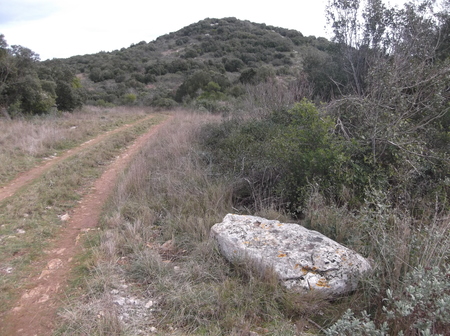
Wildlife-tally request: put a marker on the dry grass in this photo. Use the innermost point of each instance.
(25, 142)
(396, 243)
(30, 218)
(156, 240)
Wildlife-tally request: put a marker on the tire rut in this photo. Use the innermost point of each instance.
(24, 178)
(34, 313)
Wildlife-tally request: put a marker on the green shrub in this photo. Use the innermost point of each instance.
(102, 103)
(420, 307)
(129, 98)
(69, 96)
(164, 103)
(278, 156)
(201, 81)
(306, 150)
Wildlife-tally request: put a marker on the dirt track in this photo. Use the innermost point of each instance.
(35, 311)
(26, 177)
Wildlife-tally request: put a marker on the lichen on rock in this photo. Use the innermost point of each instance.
(302, 259)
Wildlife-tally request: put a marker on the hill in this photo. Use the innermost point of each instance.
(349, 138)
(213, 56)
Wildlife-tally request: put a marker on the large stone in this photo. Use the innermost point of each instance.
(302, 259)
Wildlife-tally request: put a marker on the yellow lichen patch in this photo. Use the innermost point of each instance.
(246, 242)
(279, 224)
(307, 269)
(322, 283)
(296, 266)
(282, 255)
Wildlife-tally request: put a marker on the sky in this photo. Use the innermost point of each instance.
(64, 28)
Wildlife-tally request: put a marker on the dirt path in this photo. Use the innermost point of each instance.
(35, 311)
(24, 178)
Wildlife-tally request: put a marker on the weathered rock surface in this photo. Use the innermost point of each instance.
(301, 258)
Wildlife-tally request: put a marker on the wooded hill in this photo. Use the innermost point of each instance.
(210, 59)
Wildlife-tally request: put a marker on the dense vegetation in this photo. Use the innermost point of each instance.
(205, 63)
(352, 136)
(369, 167)
(30, 87)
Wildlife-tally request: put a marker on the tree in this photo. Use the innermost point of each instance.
(20, 87)
(5, 70)
(399, 85)
(28, 86)
(69, 93)
(68, 96)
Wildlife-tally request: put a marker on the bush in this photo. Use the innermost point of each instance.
(129, 99)
(306, 150)
(233, 65)
(200, 81)
(164, 103)
(278, 156)
(421, 307)
(69, 96)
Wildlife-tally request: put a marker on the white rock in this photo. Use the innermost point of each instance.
(120, 301)
(65, 217)
(302, 259)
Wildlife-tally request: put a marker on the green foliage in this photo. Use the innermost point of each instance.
(129, 98)
(306, 150)
(102, 103)
(324, 69)
(425, 304)
(232, 65)
(211, 82)
(164, 103)
(252, 76)
(68, 96)
(227, 46)
(349, 325)
(422, 308)
(280, 154)
(27, 86)
(394, 106)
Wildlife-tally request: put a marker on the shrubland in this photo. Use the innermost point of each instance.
(348, 137)
(176, 68)
(369, 168)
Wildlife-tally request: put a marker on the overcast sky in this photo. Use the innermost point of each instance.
(64, 28)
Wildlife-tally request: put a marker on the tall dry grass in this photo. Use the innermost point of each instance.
(26, 141)
(155, 240)
(156, 237)
(400, 247)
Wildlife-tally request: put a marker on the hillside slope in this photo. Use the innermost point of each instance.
(180, 65)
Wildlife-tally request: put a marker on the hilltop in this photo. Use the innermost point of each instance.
(213, 56)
